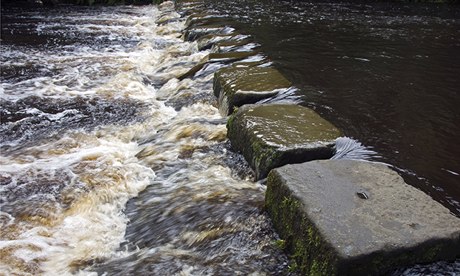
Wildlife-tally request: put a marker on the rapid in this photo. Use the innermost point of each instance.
(112, 163)
(109, 163)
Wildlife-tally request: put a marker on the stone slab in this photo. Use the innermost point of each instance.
(233, 40)
(274, 135)
(168, 17)
(224, 58)
(193, 33)
(167, 6)
(348, 217)
(236, 86)
(196, 20)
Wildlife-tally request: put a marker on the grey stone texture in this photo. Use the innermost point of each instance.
(273, 135)
(348, 217)
(222, 58)
(238, 85)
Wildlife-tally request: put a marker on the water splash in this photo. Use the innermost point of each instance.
(348, 148)
(285, 96)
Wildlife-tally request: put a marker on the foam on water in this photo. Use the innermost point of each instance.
(62, 199)
(94, 116)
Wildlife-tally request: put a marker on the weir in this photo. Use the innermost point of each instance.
(118, 158)
(336, 217)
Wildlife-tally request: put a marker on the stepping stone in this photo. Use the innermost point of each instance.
(236, 86)
(224, 58)
(235, 46)
(166, 6)
(194, 16)
(273, 135)
(234, 39)
(348, 217)
(168, 18)
(193, 33)
(206, 20)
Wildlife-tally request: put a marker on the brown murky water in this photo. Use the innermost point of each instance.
(111, 164)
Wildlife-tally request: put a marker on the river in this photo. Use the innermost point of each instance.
(92, 114)
(110, 164)
(385, 73)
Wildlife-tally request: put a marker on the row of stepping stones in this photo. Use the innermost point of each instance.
(268, 135)
(336, 217)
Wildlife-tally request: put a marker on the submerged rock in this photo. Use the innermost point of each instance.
(235, 86)
(348, 217)
(271, 136)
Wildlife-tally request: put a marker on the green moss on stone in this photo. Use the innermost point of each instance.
(281, 244)
(310, 254)
(270, 136)
(433, 252)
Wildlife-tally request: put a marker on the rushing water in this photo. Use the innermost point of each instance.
(387, 74)
(111, 164)
(93, 115)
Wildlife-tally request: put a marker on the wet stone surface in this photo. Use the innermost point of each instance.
(219, 60)
(205, 20)
(193, 33)
(273, 135)
(354, 217)
(208, 41)
(235, 86)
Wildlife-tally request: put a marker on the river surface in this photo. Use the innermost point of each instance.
(110, 164)
(92, 116)
(387, 74)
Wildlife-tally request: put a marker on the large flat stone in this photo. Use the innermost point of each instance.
(235, 46)
(193, 33)
(273, 135)
(208, 41)
(236, 86)
(168, 17)
(224, 58)
(330, 228)
(206, 20)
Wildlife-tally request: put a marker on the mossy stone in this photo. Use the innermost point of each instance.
(273, 135)
(206, 20)
(232, 40)
(192, 33)
(330, 230)
(224, 58)
(237, 85)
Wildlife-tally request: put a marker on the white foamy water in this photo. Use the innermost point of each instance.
(62, 200)
(88, 124)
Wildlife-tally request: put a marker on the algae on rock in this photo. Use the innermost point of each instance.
(238, 85)
(329, 230)
(273, 135)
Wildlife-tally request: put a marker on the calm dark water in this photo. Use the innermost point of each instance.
(386, 74)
